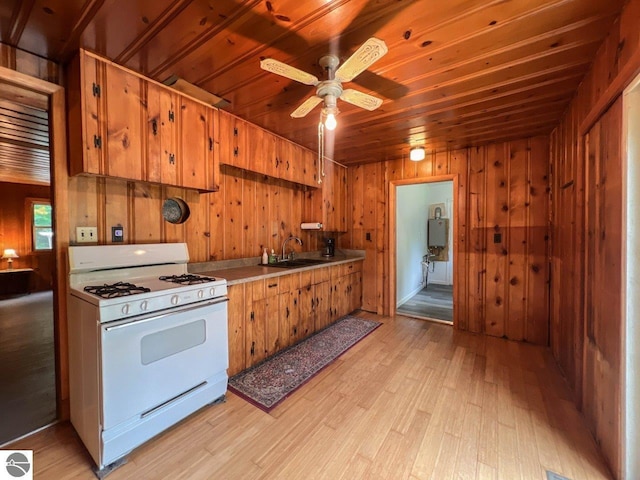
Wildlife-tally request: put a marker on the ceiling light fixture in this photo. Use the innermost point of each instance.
(330, 123)
(416, 154)
(330, 111)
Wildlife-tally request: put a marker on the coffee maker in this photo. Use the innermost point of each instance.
(329, 249)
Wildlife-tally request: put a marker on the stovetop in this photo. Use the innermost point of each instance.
(130, 280)
(123, 289)
(187, 279)
(118, 289)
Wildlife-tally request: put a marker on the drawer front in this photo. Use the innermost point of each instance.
(272, 286)
(321, 275)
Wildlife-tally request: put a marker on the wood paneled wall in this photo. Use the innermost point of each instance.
(29, 64)
(249, 212)
(502, 285)
(586, 321)
(15, 232)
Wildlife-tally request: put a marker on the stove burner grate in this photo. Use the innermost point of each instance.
(186, 279)
(119, 289)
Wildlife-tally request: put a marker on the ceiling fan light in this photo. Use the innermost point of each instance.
(416, 154)
(330, 123)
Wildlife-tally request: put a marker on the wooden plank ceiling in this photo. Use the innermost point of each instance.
(458, 72)
(24, 137)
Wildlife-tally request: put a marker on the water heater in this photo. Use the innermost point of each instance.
(437, 232)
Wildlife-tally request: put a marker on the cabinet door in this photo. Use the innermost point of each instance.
(233, 133)
(287, 315)
(161, 135)
(90, 158)
(283, 152)
(253, 158)
(255, 316)
(196, 152)
(306, 323)
(337, 306)
(272, 167)
(334, 192)
(214, 158)
(226, 124)
(124, 117)
(236, 329)
(308, 163)
(321, 305)
(272, 314)
(355, 291)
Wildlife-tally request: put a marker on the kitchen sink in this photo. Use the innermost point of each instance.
(297, 263)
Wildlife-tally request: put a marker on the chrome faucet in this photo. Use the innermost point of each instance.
(284, 244)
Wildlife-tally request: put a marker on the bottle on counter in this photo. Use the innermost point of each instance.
(272, 257)
(265, 257)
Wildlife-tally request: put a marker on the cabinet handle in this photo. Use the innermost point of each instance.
(287, 312)
(235, 131)
(171, 116)
(172, 159)
(210, 144)
(96, 90)
(271, 285)
(97, 141)
(235, 151)
(287, 165)
(154, 127)
(253, 348)
(252, 316)
(277, 162)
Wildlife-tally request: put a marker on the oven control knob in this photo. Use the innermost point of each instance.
(175, 299)
(144, 305)
(200, 293)
(125, 309)
(212, 291)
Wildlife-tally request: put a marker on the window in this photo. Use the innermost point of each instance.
(41, 225)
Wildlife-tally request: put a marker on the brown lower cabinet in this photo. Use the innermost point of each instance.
(266, 316)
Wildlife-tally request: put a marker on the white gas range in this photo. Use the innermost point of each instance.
(147, 344)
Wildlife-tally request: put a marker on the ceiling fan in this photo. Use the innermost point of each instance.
(329, 90)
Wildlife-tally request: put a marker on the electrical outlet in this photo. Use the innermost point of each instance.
(87, 234)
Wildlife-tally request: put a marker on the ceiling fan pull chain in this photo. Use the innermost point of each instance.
(320, 150)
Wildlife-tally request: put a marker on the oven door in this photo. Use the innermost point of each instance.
(148, 361)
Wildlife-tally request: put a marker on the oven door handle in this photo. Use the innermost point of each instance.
(172, 312)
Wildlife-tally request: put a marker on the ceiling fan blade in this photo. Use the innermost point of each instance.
(306, 107)
(359, 99)
(279, 68)
(368, 53)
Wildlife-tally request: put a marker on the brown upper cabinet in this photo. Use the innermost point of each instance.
(249, 147)
(111, 111)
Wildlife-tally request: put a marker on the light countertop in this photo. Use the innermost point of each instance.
(248, 269)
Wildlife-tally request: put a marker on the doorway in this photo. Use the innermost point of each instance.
(631, 329)
(424, 257)
(421, 263)
(28, 396)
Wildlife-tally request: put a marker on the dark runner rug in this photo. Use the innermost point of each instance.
(269, 383)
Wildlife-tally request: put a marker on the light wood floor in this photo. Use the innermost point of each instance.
(414, 400)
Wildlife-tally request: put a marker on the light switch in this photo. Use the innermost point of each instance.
(87, 234)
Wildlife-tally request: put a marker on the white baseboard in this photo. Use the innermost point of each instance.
(407, 297)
